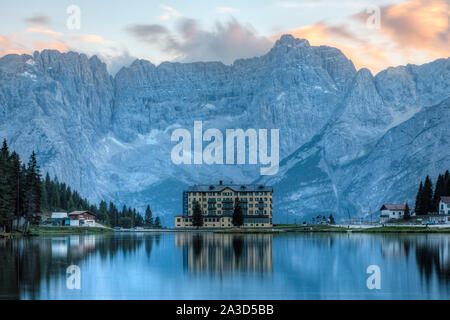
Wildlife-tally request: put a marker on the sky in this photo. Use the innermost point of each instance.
(374, 34)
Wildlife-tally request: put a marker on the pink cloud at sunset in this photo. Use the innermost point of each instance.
(416, 31)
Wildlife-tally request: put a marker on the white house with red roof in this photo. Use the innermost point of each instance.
(444, 205)
(82, 218)
(393, 211)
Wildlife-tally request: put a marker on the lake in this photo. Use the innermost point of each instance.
(189, 265)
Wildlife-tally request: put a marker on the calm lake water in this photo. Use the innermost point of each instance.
(223, 266)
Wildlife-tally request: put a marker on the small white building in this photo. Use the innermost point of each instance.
(59, 219)
(59, 215)
(444, 205)
(393, 211)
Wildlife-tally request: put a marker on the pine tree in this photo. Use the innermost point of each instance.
(64, 195)
(71, 206)
(18, 183)
(139, 220)
(7, 199)
(332, 219)
(407, 214)
(148, 217)
(48, 190)
(133, 218)
(438, 192)
(447, 184)
(238, 218)
(197, 217)
(158, 223)
(44, 197)
(419, 201)
(427, 196)
(103, 213)
(55, 201)
(113, 215)
(32, 203)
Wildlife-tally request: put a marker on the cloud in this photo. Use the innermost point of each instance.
(416, 24)
(18, 44)
(43, 30)
(7, 46)
(169, 12)
(356, 48)
(189, 42)
(61, 46)
(415, 31)
(38, 19)
(322, 3)
(149, 33)
(226, 10)
(94, 38)
(116, 60)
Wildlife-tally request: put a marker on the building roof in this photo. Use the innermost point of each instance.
(59, 215)
(445, 199)
(235, 187)
(392, 207)
(77, 213)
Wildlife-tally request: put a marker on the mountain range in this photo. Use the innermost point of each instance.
(349, 141)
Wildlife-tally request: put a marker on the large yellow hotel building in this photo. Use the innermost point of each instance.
(218, 202)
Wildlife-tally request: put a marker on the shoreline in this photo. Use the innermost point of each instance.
(67, 230)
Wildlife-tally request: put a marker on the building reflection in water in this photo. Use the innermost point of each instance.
(73, 246)
(225, 253)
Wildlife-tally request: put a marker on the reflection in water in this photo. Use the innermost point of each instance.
(434, 258)
(282, 266)
(431, 253)
(217, 253)
(27, 263)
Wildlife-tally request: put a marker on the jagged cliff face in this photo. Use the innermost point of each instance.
(347, 139)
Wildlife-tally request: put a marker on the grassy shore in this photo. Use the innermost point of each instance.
(386, 229)
(310, 228)
(403, 229)
(248, 230)
(285, 228)
(45, 230)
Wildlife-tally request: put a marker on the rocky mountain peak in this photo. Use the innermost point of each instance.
(288, 40)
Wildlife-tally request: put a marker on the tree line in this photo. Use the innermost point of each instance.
(428, 201)
(24, 194)
(127, 217)
(58, 196)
